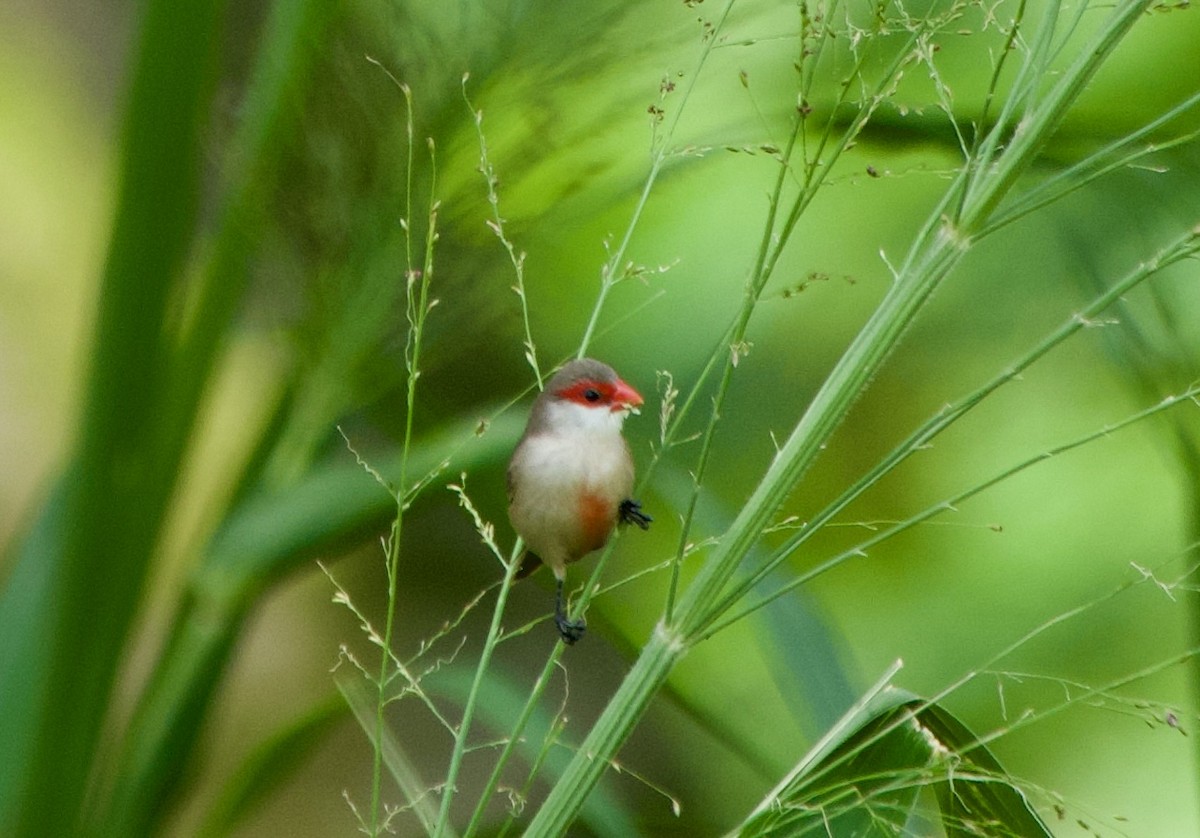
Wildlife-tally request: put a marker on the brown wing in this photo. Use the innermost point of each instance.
(530, 561)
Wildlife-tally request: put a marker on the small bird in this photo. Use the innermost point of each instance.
(571, 474)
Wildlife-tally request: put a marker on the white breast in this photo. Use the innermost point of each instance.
(550, 473)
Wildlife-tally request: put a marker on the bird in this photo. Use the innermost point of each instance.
(571, 474)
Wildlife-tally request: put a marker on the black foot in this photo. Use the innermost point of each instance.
(630, 512)
(571, 630)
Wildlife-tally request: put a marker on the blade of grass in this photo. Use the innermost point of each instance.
(966, 804)
(125, 462)
(880, 694)
(139, 796)
(865, 779)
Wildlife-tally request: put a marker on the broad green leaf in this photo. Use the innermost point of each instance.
(115, 494)
(864, 776)
(976, 795)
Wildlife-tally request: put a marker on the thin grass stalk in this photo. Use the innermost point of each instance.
(514, 737)
(975, 155)
(818, 167)
(496, 224)
(627, 705)
(771, 247)
(928, 263)
(417, 282)
(403, 772)
(719, 353)
(464, 727)
(951, 503)
(1084, 695)
(1095, 166)
(1183, 247)
(1041, 122)
(730, 351)
(610, 274)
(1024, 87)
(535, 769)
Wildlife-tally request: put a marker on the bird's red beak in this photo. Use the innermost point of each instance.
(625, 397)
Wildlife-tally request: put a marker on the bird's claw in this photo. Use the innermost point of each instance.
(631, 512)
(571, 630)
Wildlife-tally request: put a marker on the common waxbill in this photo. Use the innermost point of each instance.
(571, 474)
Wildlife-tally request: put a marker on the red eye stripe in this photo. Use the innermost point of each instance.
(616, 395)
(600, 392)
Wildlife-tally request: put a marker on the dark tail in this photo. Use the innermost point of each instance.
(529, 564)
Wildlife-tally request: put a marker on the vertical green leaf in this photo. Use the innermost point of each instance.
(94, 562)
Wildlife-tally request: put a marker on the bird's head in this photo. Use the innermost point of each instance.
(589, 395)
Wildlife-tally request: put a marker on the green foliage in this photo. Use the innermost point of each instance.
(69, 617)
(863, 777)
(318, 230)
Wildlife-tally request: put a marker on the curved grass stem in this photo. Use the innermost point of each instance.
(933, 255)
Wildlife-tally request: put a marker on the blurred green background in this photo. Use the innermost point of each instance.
(316, 342)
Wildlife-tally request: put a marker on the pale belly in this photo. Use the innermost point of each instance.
(569, 495)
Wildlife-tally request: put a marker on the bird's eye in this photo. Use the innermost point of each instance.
(591, 394)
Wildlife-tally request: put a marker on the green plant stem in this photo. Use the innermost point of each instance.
(1094, 166)
(934, 253)
(514, 738)
(417, 296)
(627, 705)
(352, 687)
(770, 250)
(485, 656)
(610, 273)
(1183, 247)
(1040, 122)
(517, 260)
(719, 354)
(951, 503)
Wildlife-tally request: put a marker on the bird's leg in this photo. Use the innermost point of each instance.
(571, 630)
(630, 512)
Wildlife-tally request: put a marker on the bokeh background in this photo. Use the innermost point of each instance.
(318, 343)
